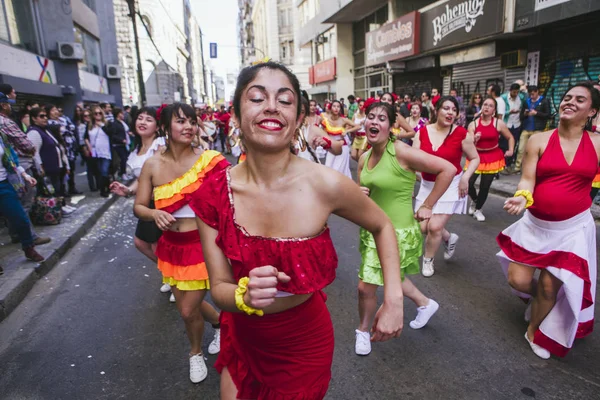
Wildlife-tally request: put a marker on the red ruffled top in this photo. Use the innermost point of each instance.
(310, 262)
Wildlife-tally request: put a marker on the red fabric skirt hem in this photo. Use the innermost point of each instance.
(180, 248)
(272, 358)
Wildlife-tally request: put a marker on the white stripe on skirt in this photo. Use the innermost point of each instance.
(449, 203)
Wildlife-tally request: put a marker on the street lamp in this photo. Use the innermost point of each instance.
(131, 4)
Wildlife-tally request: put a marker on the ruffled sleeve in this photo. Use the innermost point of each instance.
(205, 202)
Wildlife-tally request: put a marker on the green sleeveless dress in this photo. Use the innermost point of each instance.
(391, 188)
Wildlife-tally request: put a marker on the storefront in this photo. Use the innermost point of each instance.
(322, 77)
(457, 31)
(561, 61)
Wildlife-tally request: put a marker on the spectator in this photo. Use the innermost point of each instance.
(119, 136)
(495, 92)
(474, 109)
(224, 118)
(536, 115)
(63, 131)
(461, 119)
(108, 114)
(427, 104)
(24, 151)
(98, 143)
(127, 115)
(8, 91)
(515, 103)
(72, 145)
(92, 171)
(352, 108)
(405, 106)
(435, 96)
(24, 120)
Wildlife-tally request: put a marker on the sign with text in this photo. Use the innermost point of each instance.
(213, 50)
(23, 64)
(324, 71)
(457, 21)
(532, 71)
(532, 13)
(541, 4)
(393, 41)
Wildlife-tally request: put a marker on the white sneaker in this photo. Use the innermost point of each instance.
(472, 208)
(172, 298)
(362, 347)
(538, 350)
(215, 346)
(69, 208)
(528, 311)
(424, 314)
(479, 216)
(427, 269)
(165, 288)
(450, 246)
(66, 211)
(198, 370)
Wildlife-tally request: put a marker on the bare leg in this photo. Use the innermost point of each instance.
(188, 304)
(411, 291)
(367, 305)
(547, 289)
(435, 227)
(209, 313)
(145, 248)
(520, 277)
(228, 389)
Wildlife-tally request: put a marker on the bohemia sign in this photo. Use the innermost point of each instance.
(393, 41)
(458, 21)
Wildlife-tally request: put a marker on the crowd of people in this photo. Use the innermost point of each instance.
(228, 229)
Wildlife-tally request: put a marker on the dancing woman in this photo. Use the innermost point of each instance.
(487, 130)
(310, 137)
(450, 142)
(415, 121)
(172, 177)
(337, 127)
(386, 173)
(269, 252)
(359, 144)
(312, 117)
(557, 234)
(401, 122)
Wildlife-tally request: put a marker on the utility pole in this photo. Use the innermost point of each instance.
(132, 13)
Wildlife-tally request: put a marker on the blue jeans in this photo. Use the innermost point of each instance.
(103, 164)
(13, 211)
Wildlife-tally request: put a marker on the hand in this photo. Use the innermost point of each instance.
(509, 153)
(163, 220)
(41, 171)
(388, 321)
(30, 180)
(463, 187)
(262, 286)
(476, 137)
(365, 190)
(423, 213)
(119, 189)
(515, 205)
(532, 112)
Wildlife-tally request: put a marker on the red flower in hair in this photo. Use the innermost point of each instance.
(368, 102)
(159, 111)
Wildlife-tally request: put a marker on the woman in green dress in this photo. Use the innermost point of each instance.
(386, 173)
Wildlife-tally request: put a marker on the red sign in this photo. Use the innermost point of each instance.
(324, 71)
(311, 75)
(394, 40)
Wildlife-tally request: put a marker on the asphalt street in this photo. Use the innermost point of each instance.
(97, 327)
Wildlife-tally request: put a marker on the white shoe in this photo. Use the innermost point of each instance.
(70, 208)
(479, 216)
(472, 208)
(198, 370)
(424, 314)
(528, 311)
(427, 269)
(165, 288)
(172, 298)
(450, 246)
(362, 347)
(66, 211)
(538, 350)
(215, 346)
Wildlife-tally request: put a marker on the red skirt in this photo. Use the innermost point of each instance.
(283, 356)
(181, 261)
(490, 162)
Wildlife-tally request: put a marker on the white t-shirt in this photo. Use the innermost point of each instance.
(500, 106)
(514, 120)
(100, 143)
(135, 162)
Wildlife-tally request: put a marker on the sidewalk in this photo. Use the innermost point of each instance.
(21, 274)
(507, 186)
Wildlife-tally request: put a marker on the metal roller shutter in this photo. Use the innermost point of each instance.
(446, 85)
(475, 77)
(512, 74)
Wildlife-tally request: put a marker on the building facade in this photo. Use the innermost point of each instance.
(60, 52)
(170, 48)
(246, 33)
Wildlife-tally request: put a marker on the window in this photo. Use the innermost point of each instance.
(91, 47)
(292, 49)
(283, 51)
(17, 24)
(284, 20)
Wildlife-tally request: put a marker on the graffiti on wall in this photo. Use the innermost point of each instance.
(466, 89)
(558, 76)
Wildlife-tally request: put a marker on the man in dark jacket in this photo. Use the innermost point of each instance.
(536, 117)
(118, 132)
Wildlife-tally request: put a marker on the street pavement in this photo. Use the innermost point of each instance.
(97, 327)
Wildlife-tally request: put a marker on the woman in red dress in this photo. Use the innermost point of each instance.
(557, 234)
(263, 227)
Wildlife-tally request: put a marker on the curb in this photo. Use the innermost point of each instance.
(21, 282)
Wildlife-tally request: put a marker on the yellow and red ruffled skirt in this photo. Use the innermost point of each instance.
(490, 161)
(596, 181)
(181, 261)
(360, 141)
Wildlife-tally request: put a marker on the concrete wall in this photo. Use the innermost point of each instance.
(108, 45)
(345, 61)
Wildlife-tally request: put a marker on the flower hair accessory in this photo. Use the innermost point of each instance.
(263, 61)
(159, 111)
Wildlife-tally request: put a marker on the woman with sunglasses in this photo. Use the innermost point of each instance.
(48, 156)
(474, 109)
(98, 143)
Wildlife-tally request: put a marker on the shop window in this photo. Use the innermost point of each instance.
(381, 15)
(358, 35)
(359, 83)
(91, 47)
(376, 80)
(17, 24)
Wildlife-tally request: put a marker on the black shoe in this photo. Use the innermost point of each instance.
(93, 190)
(1, 271)
(41, 240)
(74, 192)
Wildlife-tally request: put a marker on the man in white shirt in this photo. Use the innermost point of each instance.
(514, 115)
(495, 92)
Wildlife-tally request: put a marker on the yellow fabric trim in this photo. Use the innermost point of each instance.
(187, 285)
(332, 130)
(239, 298)
(170, 189)
(527, 195)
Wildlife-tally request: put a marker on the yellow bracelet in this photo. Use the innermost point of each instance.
(527, 195)
(239, 298)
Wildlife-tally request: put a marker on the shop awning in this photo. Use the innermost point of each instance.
(354, 10)
(323, 88)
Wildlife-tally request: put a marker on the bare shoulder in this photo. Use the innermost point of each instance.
(326, 182)
(539, 141)
(363, 157)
